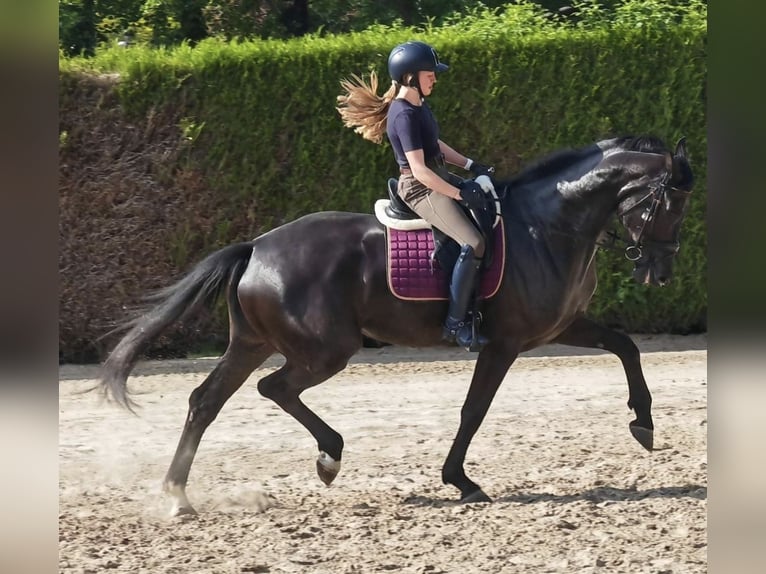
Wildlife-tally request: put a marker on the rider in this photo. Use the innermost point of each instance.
(425, 184)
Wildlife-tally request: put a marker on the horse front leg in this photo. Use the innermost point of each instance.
(585, 333)
(492, 364)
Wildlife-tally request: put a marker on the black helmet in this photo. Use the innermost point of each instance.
(412, 57)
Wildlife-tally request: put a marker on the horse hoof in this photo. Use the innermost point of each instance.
(327, 468)
(644, 436)
(475, 496)
(181, 504)
(186, 510)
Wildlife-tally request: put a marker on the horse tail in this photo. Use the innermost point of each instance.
(201, 287)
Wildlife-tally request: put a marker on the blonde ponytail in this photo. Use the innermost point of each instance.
(361, 108)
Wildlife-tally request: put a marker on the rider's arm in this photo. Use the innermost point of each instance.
(427, 176)
(453, 157)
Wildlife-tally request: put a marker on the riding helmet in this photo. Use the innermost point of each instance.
(412, 57)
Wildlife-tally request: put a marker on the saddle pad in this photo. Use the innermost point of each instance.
(413, 276)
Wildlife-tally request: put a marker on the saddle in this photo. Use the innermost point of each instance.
(396, 208)
(420, 258)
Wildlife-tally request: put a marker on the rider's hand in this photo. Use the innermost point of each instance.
(478, 169)
(472, 195)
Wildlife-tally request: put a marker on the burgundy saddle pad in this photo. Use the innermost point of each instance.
(413, 276)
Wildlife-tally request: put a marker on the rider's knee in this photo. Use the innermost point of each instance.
(478, 247)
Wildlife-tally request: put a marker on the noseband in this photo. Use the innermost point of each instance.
(655, 197)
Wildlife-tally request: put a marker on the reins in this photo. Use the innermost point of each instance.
(612, 234)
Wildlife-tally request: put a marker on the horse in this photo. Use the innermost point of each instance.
(312, 289)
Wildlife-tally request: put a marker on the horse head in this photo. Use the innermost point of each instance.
(652, 214)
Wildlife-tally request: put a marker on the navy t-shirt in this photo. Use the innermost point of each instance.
(412, 127)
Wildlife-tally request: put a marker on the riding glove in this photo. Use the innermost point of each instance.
(472, 195)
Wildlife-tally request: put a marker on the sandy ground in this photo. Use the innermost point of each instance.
(572, 490)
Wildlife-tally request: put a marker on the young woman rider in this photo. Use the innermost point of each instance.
(424, 183)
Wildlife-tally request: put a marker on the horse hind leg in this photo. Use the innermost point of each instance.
(205, 402)
(284, 387)
(585, 333)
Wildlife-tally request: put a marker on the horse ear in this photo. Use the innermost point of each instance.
(681, 148)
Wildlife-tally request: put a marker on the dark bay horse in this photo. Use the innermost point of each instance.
(313, 288)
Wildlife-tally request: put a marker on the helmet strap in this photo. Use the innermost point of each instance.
(414, 82)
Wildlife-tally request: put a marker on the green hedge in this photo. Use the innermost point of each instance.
(256, 122)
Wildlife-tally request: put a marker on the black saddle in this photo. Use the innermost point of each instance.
(396, 208)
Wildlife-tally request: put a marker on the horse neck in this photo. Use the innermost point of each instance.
(587, 204)
(574, 194)
(575, 201)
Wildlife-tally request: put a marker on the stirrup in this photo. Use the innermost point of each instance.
(465, 334)
(477, 341)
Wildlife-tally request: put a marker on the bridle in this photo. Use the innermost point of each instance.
(656, 196)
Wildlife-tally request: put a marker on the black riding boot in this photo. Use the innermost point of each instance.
(462, 285)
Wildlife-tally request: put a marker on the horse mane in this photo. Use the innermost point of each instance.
(551, 163)
(653, 144)
(560, 159)
(642, 143)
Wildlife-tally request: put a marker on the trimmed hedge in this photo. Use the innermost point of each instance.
(252, 140)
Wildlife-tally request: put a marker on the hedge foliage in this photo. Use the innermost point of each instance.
(256, 124)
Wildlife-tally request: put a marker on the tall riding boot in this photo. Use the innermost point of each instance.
(462, 285)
